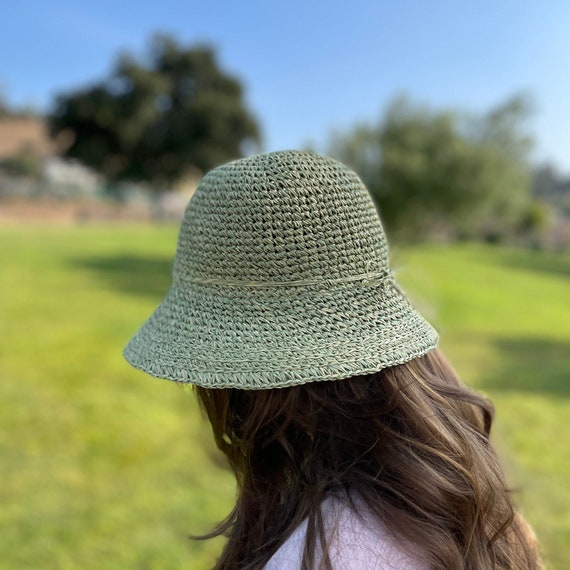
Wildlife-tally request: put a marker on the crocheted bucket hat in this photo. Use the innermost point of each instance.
(281, 277)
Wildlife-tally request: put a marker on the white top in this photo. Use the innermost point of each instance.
(357, 542)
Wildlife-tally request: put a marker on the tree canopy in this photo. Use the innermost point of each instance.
(156, 117)
(441, 171)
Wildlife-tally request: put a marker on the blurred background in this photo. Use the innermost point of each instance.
(456, 116)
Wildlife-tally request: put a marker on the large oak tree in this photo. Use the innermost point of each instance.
(156, 117)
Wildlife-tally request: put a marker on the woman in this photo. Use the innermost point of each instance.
(353, 442)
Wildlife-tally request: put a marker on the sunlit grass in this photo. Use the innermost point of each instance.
(103, 467)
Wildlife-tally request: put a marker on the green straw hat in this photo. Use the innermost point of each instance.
(281, 277)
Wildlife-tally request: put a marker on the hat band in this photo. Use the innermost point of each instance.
(365, 278)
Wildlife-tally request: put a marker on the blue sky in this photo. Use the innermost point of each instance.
(311, 67)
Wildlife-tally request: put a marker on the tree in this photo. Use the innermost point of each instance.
(438, 171)
(156, 117)
(4, 109)
(552, 187)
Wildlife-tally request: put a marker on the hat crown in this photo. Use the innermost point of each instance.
(280, 217)
(280, 278)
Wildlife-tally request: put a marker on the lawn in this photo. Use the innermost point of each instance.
(103, 467)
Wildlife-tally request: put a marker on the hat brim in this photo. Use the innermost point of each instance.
(261, 338)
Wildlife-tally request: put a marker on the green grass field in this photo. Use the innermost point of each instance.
(103, 467)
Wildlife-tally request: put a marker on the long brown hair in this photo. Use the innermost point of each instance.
(411, 440)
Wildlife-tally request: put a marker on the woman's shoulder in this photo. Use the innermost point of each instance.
(357, 541)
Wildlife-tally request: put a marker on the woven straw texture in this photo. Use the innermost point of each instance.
(281, 277)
